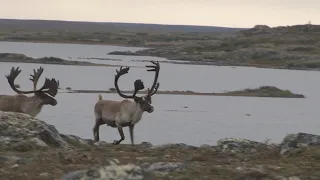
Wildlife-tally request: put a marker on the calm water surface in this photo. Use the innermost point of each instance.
(188, 119)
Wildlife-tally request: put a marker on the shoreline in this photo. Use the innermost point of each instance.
(169, 59)
(74, 42)
(263, 91)
(88, 65)
(95, 65)
(21, 58)
(191, 61)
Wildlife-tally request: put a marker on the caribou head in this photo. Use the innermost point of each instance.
(45, 94)
(146, 100)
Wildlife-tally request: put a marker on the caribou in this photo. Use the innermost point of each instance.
(31, 105)
(125, 113)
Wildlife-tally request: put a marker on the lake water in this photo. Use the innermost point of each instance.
(192, 120)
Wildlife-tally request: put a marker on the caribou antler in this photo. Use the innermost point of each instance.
(156, 84)
(50, 86)
(35, 77)
(12, 76)
(138, 84)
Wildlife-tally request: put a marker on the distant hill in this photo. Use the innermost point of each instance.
(45, 25)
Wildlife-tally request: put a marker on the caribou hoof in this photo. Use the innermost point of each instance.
(115, 142)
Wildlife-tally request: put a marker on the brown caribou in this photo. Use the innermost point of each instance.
(125, 113)
(29, 105)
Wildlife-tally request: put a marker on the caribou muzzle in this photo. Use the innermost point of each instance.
(150, 110)
(54, 103)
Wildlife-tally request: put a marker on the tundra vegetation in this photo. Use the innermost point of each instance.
(291, 47)
(288, 47)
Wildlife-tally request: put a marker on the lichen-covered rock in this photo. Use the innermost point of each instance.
(127, 53)
(19, 131)
(145, 145)
(299, 140)
(14, 56)
(77, 141)
(174, 145)
(166, 166)
(239, 145)
(9, 158)
(114, 171)
(260, 172)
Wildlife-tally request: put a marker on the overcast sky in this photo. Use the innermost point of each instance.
(231, 13)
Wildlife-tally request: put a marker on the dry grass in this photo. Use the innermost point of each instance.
(204, 163)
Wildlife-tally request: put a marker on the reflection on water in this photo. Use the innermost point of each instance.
(189, 119)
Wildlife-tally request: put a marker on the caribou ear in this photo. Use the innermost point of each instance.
(137, 99)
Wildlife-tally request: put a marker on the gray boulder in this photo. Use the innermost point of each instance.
(174, 146)
(166, 166)
(240, 145)
(22, 132)
(299, 140)
(114, 171)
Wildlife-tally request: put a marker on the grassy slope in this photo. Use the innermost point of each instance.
(78, 26)
(129, 34)
(295, 47)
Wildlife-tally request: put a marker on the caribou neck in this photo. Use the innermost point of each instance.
(32, 105)
(137, 113)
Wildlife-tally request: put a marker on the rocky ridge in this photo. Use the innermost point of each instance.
(291, 47)
(31, 148)
(21, 58)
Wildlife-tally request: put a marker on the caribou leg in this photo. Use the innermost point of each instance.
(121, 134)
(131, 133)
(96, 129)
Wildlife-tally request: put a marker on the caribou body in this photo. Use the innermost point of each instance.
(31, 105)
(125, 113)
